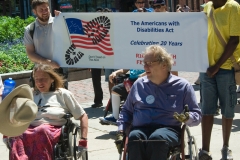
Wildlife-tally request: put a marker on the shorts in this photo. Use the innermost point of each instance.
(121, 90)
(221, 87)
(107, 73)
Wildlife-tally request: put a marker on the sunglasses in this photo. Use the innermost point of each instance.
(140, 2)
(149, 64)
(158, 6)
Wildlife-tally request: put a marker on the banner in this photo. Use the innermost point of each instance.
(118, 40)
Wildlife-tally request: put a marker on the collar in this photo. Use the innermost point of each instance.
(168, 80)
(50, 20)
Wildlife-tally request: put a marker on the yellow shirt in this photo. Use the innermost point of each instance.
(227, 19)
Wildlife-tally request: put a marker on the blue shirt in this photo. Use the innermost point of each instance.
(151, 104)
(134, 73)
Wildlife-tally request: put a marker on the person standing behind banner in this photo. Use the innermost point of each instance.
(38, 38)
(140, 4)
(179, 8)
(186, 8)
(160, 6)
(96, 77)
(218, 82)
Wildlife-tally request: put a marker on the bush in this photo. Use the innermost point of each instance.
(13, 57)
(13, 28)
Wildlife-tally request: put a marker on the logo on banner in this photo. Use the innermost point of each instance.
(93, 35)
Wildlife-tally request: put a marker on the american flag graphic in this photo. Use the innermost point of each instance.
(91, 35)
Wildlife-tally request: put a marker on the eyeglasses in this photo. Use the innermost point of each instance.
(158, 6)
(140, 2)
(149, 64)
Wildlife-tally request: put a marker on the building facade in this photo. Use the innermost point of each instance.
(22, 8)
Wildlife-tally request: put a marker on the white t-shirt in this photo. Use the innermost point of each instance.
(52, 106)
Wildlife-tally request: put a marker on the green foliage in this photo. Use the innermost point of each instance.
(13, 28)
(14, 59)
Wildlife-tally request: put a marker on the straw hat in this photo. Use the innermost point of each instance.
(17, 111)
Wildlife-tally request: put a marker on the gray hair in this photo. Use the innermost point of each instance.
(161, 54)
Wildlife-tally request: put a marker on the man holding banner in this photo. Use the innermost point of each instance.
(38, 37)
(219, 82)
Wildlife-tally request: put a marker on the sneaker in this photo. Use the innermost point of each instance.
(204, 155)
(95, 105)
(197, 82)
(226, 153)
(109, 120)
(238, 89)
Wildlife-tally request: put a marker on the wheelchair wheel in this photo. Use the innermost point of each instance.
(74, 136)
(191, 151)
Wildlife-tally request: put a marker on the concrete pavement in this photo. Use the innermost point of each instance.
(101, 137)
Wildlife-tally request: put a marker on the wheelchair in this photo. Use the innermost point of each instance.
(187, 150)
(67, 147)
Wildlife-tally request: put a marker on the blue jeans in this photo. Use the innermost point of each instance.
(221, 87)
(152, 150)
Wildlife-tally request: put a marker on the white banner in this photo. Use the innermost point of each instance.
(117, 40)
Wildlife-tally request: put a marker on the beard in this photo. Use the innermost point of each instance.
(43, 18)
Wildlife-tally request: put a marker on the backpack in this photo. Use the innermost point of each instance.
(32, 28)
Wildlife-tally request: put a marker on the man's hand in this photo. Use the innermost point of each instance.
(184, 116)
(56, 13)
(119, 141)
(54, 64)
(82, 147)
(211, 71)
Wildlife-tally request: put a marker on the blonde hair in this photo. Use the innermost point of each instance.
(58, 79)
(161, 54)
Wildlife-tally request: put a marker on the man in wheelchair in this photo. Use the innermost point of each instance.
(154, 109)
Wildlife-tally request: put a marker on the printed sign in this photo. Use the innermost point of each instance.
(118, 40)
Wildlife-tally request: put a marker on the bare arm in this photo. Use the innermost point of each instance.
(34, 57)
(228, 52)
(84, 125)
(116, 73)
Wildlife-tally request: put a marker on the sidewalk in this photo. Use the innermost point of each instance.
(101, 137)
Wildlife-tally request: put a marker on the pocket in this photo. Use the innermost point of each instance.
(233, 95)
(172, 100)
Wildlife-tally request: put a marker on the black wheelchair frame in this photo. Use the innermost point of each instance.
(187, 150)
(67, 147)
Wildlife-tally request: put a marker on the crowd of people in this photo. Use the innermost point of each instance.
(154, 106)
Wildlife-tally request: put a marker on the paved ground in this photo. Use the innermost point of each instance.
(101, 137)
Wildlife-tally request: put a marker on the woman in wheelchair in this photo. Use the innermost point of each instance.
(53, 101)
(155, 109)
(119, 92)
